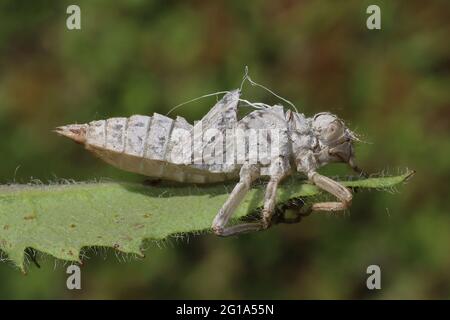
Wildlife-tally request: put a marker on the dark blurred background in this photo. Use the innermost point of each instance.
(139, 57)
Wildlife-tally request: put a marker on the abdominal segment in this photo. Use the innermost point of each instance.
(154, 146)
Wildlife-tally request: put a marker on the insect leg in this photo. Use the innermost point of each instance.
(238, 229)
(247, 175)
(279, 170)
(333, 187)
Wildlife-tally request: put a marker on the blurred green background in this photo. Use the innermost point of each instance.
(139, 57)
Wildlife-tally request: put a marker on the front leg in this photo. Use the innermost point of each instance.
(333, 187)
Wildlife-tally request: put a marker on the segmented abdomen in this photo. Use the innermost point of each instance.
(148, 145)
(140, 136)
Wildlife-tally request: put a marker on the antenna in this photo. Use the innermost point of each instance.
(253, 83)
(195, 99)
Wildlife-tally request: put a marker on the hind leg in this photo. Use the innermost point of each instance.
(248, 174)
(278, 170)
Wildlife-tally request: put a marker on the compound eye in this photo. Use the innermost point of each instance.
(334, 131)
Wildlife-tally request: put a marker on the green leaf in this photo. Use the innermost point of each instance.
(61, 219)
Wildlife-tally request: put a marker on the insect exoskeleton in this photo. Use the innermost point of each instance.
(269, 141)
(152, 146)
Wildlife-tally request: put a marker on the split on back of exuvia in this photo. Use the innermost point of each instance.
(215, 148)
